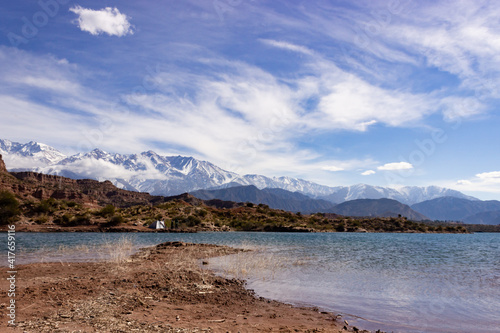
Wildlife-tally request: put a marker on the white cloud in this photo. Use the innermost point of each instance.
(490, 176)
(396, 166)
(351, 103)
(108, 170)
(287, 46)
(368, 173)
(464, 41)
(481, 182)
(332, 168)
(107, 20)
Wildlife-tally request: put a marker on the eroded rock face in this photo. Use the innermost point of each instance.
(37, 186)
(3, 168)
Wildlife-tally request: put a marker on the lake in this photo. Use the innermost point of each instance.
(393, 282)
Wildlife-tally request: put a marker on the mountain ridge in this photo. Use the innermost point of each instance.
(172, 175)
(458, 209)
(377, 207)
(274, 198)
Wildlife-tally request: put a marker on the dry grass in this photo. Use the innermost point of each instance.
(118, 251)
(255, 263)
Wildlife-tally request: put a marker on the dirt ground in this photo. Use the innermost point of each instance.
(159, 289)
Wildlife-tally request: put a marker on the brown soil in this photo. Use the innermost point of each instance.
(160, 289)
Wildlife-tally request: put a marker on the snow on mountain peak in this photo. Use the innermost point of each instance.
(29, 154)
(172, 175)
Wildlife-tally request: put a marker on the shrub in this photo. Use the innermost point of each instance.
(83, 219)
(42, 219)
(193, 220)
(9, 207)
(63, 220)
(116, 220)
(47, 206)
(340, 228)
(109, 210)
(201, 213)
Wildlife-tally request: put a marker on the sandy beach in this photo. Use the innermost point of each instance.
(159, 289)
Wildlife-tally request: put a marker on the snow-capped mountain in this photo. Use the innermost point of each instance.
(408, 195)
(31, 154)
(172, 175)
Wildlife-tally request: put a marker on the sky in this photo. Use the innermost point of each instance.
(388, 93)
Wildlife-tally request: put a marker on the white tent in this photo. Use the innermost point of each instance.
(157, 225)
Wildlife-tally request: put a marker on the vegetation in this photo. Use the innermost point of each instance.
(9, 207)
(182, 216)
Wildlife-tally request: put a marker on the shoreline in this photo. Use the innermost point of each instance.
(159, 289)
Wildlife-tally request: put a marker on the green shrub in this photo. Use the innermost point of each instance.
(42, 219)
(193, 221)
(47, 206)
(9, 207)
(82, 219)
(340, 228)
(109, 210)
(116, 220)
(201, 213)
(64, 220)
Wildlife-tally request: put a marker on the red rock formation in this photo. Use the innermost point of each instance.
(3, 168)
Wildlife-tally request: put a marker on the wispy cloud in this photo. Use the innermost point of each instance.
(264, 87)
(287, 46)
(107, 20)
(333, 168)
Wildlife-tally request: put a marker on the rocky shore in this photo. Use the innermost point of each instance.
(159, 289)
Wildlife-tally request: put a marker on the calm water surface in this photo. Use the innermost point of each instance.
(393, 282)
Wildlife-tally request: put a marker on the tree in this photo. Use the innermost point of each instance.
(9, 207)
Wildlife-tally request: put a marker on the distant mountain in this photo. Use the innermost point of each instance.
(295, 202)
(408, 195)
(457, 209)
(173, 175)
(377, 207)
(31, 154)
(274, 198)
(492, 218)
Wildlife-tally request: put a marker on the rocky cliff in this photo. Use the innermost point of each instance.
(36, 186)
(3, 168)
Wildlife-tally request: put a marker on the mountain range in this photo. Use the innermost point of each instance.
(172, 175)
(296, 202)
(273, 197)
(457, 209)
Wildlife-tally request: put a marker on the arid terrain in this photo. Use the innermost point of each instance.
(159, 289)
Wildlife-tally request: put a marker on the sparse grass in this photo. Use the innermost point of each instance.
(256, 263)
(119, 251)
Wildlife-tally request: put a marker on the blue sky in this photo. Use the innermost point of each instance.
(386, 93)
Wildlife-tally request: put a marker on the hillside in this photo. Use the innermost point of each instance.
(377, 207)
(490, 217)
(457, 209)
(274, 198)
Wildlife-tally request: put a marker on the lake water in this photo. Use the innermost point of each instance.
(393, 282)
